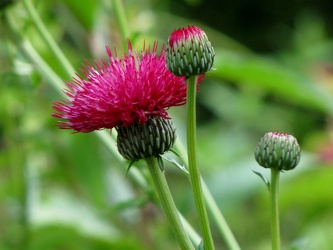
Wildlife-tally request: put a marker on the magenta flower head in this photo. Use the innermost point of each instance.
(123, 93)
(189, 52)
(278, 150)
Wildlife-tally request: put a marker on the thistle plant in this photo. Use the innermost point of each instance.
(279, 152)
(190, 54)
(130, 94)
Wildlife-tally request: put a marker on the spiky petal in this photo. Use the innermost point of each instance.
(120, 92)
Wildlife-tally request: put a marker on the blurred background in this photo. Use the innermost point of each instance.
(273, 72)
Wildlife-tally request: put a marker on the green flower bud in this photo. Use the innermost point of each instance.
(189, 52)
(139, 141)
(277, 150)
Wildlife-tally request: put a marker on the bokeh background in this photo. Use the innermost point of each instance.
(273, 72)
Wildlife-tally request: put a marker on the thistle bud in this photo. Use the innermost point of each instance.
(277, 150)
(189, 52)
(139, 141)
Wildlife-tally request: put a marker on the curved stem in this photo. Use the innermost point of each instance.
(219, 219)
(193, 166)
(274, 203)
(121, 18)
(35, 58)
(167, 203)
(48, 39)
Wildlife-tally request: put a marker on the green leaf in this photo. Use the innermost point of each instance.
(174, 162)
(271, 76)
(160, 163)
(263, 178)
(129, 167)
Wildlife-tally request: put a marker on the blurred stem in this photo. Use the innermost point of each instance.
(194, 236)
(193, 166)
(274, 200)
(19, 180)
(35, 58)
(121, 18)
(167, 203)
(25, 241)
(219, 219)
(48, 39)
(213, 209)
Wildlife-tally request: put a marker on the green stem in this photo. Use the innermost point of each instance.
(213, 208)
(193, 166)
(34, 57)
(121, 18)
(48, 39)
(192, 234)
(168, 204)
(274, 200)
(219, 219)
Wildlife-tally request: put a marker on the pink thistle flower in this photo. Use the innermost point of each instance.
(120, 92)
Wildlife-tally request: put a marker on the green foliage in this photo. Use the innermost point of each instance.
(67, 191)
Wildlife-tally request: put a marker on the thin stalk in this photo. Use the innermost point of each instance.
(192, 234)
(274, 203)
(35, 58)
(19, 180)
(219, 219)
(214, 210)
(48, 39)
(168, 205)
(212, 207)
(121, 18)
(193, 165)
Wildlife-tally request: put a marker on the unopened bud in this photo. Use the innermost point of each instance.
(277, 150)
(139, 141)
(189, 52)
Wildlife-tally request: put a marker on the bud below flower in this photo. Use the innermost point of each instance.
(139, 141)
(277, 150)
(189, 52)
